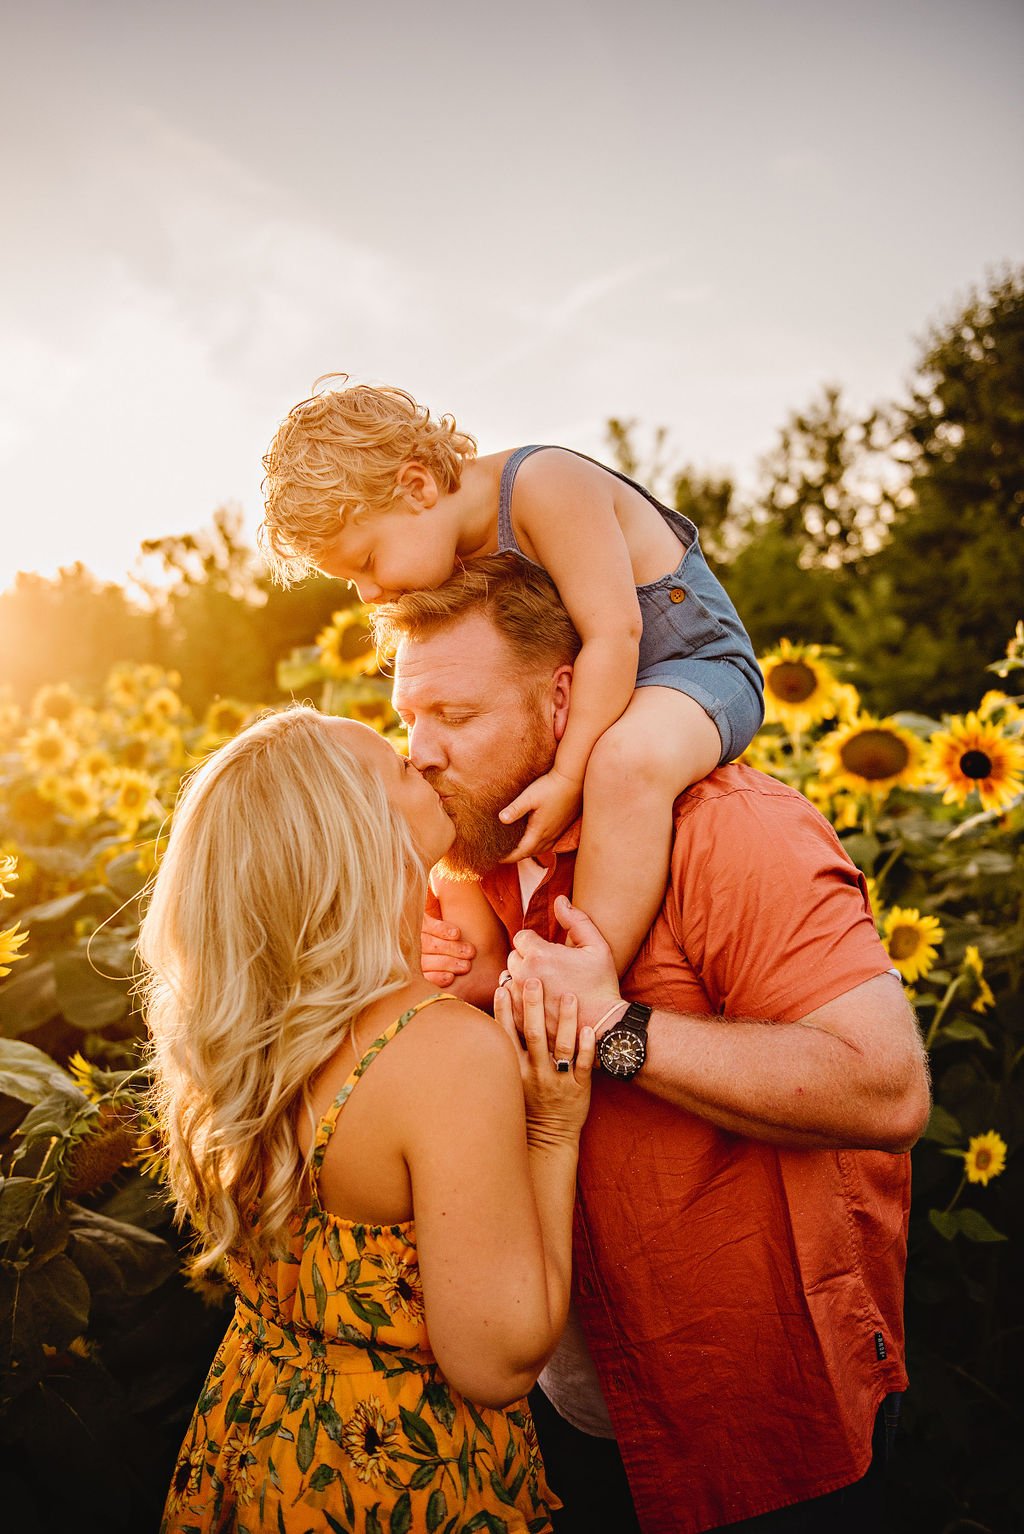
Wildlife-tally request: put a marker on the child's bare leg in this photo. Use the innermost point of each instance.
(663, 742)
(465, 906)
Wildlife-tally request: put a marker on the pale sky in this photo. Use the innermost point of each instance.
(533, 216)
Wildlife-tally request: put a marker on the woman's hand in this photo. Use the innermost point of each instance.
(557, 1100)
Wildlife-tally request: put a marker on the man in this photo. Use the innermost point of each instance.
(743, 1190)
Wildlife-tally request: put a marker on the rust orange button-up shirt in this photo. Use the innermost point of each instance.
(742, 1303)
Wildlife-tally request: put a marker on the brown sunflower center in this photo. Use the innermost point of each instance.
(792, 681)
(371, 1439)
(975, 764)
(874, 754)
(983, 1160)
(904, 942)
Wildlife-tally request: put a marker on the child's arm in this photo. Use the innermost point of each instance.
(566, 521)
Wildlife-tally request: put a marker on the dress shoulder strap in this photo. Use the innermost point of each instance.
(327, 1124)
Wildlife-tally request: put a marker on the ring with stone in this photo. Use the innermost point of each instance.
(563, 1067)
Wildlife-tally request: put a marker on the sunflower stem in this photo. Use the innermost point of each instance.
(956, 1195)
(942, 1009)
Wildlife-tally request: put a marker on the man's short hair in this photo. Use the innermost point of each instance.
(520, 600)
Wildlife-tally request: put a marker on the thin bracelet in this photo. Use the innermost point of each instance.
(607, 1015)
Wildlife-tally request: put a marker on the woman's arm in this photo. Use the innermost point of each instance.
(492, 1199)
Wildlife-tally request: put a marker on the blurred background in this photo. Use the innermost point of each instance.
(767, 258)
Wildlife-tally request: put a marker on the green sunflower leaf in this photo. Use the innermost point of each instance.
(942, 1127)
(306, 1444)
(419, 1432)
(976, 1228)
(501, 1491)
(440, 1401)
(437, 1510)
(401, 1515)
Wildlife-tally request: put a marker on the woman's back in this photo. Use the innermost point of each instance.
(326, 1401)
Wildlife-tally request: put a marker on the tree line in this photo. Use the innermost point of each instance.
(894, 533)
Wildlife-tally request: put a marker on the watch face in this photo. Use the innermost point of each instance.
(622, 1052)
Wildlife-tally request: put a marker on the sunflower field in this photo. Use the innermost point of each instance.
(103, 1340)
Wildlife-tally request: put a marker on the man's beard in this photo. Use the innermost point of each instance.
(482, 841)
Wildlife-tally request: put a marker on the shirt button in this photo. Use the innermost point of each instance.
(677, 594)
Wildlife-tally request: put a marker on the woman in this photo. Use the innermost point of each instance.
(398, 1236)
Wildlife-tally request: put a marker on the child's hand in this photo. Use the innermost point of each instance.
(552, 803)
(556, 1100)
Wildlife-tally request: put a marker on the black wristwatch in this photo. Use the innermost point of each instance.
(623, 1049)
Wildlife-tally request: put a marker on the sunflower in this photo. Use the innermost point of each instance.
(225, 717)
(10, 942)
(238, 1460)
(374, 710)
(871, 756)
(346, 645)
(188, 1475)
(799, 687)
(973, 971)
(402, 1287)
(1000, 709)
(135, 753)
(134, 799)
(162, 706)
(985, 1157)
(911, 941)
(56, 702)
(975, 754)
(150, 1155)
(95, 762)
(369, 1438)
(47, 748)
(8, 875)
(77, 798)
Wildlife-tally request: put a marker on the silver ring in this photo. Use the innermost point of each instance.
(504, 978)
(563, 1067)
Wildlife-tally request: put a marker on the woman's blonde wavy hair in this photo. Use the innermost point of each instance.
(337, 455)
(279, 912)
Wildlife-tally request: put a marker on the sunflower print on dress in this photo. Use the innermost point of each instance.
(325, 1407)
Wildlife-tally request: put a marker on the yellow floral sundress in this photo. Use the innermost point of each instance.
(325, 1409)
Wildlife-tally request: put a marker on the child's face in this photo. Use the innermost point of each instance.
(391, 552)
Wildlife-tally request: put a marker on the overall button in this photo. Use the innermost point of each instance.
(677, 594)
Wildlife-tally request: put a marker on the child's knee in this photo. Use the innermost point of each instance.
(628, 756)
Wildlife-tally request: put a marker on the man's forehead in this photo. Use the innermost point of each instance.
(465, 660)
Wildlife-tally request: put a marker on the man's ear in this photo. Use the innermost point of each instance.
(419, 489)
(561, 688)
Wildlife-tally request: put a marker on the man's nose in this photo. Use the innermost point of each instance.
(426, 748)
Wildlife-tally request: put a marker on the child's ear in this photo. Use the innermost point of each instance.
(418, 486)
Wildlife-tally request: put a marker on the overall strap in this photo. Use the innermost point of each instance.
(507, 542)
(327, 1124)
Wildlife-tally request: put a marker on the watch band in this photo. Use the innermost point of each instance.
(637, 1015)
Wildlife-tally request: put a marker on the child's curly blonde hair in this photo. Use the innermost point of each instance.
(337, 455)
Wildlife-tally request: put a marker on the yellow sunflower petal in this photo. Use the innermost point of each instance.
(985, 1157)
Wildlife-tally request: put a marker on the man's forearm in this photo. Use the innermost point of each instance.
(801, 1084)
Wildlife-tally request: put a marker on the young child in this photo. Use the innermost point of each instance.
(363, 484)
